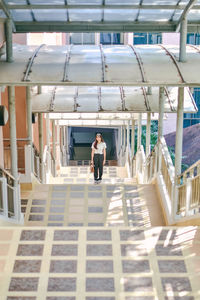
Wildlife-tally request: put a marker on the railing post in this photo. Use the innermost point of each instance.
(40, 125)
(188, 195)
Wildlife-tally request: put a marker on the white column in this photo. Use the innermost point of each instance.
(41, 145)
(183, 40)
(29, 114)
(148, 134)
(48, 131)
(139, 132)
(161, 112)
(179, 132)
(9, 42)
(97, 38)
(128, 135)
(54, 139)
(13, 135)
(133, 138)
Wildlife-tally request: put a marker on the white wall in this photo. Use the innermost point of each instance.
(171, 38)
(169, 124)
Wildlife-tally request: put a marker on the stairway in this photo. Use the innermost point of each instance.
(82, 241)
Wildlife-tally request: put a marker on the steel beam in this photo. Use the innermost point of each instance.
(179, 133)
(23, 27)
(186, 10)
(13, 137)
(92, 6)
(183, 40)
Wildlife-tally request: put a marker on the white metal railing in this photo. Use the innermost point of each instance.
(181, 196)
(10, 207)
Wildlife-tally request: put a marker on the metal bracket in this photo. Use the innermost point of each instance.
(140, 63)
(31, 61)
(52, 102)
(146, 100)
(66, 67)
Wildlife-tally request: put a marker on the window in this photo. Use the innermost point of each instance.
(193, 38)
(147, 38)
(82, 38)
(191, 119)
(110, 38)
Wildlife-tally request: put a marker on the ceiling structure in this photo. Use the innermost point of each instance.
(107, 99)
(100, 15)
(92, 65)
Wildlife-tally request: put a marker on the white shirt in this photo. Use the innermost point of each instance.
(100, 147)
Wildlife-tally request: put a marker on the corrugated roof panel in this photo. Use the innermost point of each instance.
(21, 15)
(44, 15)
(85, 15)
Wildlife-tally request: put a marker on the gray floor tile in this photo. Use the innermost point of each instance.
(63, 266)
(95, 195)
(33, 235)
(56, 209)
(179, 298)
(69, 180)
(100, 298)
(100, 285)
(66, 235)
(24, 284)
(27, 266)
(133, 250)
(37, 209)
(138, 284)
(77, 188)
(61, 298)
(75, 224)
(172, 266)
(30, 250)
(95, 224)
(56, 218)
(135, 266)
(60, 187)
(64, 250)
(176, 284)
(38, 202)
(58, 202)
(169, 250)
(36, 218)
(132, 235)
(95, 209)
(58, 195)
(94, 188)
(62, 284)
(55, 224)
(77, 195)
(98, 235)
(99, 250)
(99, 266)
(21, 298)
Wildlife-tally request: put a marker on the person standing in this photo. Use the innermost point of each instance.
(98, 157)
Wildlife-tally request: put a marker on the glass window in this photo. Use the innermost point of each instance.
(193, 38)
(82, 38)
(110, 38)
(147, 38)
(191, 118)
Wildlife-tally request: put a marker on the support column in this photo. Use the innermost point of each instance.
(29, 114)
(128, 134)
(148, 134)
(161, 112)
(139, 132)
(9, 43)
(183, 40)
(41, 145)
(54, 139)
(133, 138)
(179, 132)
(124, 136)
(13, 138)
(39, 89)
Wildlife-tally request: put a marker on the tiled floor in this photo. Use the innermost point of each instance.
(88, 205)
(100, 264)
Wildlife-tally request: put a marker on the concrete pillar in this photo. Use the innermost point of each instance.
(139, 131)
(183, 40)
(9, 42)
(39, 89)
(128, 134)
(133, 138)
(54, 139)
(29, 114)
(148, 134)
(12, 126)
(179, 132)
(41, 145)
(161, 112)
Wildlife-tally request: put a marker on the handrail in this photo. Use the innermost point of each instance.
(188, 171)
(6, 173)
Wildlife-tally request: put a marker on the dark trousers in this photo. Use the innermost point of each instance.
(98, 166)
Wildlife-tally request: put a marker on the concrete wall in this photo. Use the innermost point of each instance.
(170, 38)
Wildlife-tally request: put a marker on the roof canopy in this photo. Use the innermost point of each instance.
(123, 65)
(108, 99)
(100, 15)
